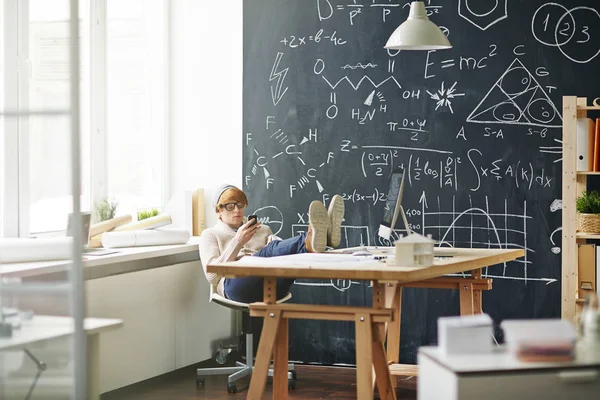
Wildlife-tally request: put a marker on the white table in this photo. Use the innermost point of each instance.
(500, 376)
(43, 328)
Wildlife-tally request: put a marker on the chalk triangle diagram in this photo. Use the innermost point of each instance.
(517, 98)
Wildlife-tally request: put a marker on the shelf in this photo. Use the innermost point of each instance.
(589, 108)
(587, 173)
(583, 235)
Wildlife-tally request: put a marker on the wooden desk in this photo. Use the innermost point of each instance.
(371, 322)
(42, 328)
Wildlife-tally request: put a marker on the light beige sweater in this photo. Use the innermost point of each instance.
(219, 244)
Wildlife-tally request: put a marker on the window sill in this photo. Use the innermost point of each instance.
(127, 260)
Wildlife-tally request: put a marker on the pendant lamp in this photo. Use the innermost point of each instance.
(418, 32)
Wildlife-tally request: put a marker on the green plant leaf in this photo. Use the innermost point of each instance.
(588, 202)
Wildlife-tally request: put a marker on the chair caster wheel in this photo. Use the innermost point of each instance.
(231, 388)
(200, 381)
(294, 375)
(291, 384)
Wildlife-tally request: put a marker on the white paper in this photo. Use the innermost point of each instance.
(307, 258)
(42, 249)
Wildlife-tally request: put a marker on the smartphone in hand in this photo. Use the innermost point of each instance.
(253, 219)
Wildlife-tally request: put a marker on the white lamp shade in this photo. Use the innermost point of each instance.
(418, 32)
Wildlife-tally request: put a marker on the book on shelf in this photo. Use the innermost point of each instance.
(586, 137)
(596, 167)
(586, 265)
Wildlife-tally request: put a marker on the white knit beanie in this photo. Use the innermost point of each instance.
(218, 192)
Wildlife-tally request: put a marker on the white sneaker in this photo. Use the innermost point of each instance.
(336, 215)
(318, 224)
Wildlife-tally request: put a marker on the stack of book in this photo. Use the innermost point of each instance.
(540, 340)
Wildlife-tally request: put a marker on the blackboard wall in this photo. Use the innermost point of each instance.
(478, 129)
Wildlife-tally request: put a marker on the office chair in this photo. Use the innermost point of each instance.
(240, 369)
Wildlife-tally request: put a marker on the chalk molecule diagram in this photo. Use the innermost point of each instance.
(483, 14)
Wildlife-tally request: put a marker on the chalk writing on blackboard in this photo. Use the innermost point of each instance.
(483, 14)
(555, 25)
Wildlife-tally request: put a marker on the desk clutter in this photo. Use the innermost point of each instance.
(526, 340)
(182, 218)
(540, 340)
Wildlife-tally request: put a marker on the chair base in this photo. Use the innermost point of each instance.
(240, 370)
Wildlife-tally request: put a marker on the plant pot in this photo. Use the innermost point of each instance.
(588, 223)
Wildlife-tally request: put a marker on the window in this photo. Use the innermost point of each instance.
(48, 152)
(2, 107)
(136, 93)
(123, 110)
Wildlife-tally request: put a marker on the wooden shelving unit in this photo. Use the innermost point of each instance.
(588, 173)
(574, 183)
(583, 235)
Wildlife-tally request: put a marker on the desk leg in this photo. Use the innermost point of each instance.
(477, 294)
(380, 365)
(364, 356)
(263, 355)
(280, 362)
(93, 367)
(466, 299)
(393, 300)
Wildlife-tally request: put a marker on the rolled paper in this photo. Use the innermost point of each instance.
(154, 237)
(41, 249)
(105, 226)
(148, 223)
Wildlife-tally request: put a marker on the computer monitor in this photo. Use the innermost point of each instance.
(393, 205)
(86, 221)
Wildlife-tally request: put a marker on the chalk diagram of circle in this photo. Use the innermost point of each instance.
(558, 11)
(590, 40)
(271, 216)
(507, 111)
(541, 110)
(485, 7)
(516, 82)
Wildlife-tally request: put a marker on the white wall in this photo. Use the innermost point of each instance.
(205, 148)
(206, 96)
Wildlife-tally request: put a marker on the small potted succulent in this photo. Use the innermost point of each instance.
(588, 212)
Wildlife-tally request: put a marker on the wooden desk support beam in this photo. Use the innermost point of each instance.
(451, 283)
(317, 312)
(404, 369)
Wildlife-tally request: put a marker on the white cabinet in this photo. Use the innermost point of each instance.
(498, 376)
(168, 322)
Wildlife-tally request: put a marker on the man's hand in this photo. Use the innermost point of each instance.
(247, 231)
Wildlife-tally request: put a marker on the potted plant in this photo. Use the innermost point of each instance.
(105, 209)
(588, 212)
(144, 214)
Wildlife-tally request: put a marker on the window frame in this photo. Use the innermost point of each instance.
(15, 201)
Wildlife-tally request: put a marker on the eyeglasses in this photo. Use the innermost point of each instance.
(231, 206)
